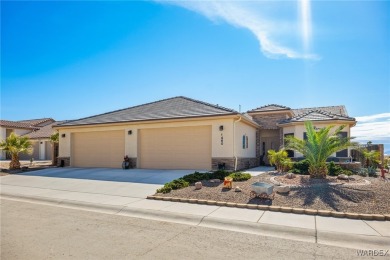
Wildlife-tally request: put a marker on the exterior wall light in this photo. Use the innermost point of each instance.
(221, 128)
(63, 135)
(130, 132)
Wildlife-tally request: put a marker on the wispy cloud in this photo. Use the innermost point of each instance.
(375, 128)
(271, 22)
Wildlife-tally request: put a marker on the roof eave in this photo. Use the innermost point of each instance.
(146, 120)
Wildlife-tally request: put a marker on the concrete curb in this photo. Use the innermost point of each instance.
(312, 212)
(285, 232)
(352, 240)
(300, 234)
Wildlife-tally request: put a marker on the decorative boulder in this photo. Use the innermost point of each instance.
(238, 189)
(282, 189)
(343, 177)
(290, 175)
(198, 185)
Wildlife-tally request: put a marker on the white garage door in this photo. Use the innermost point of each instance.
(98, 149)
(175, 148)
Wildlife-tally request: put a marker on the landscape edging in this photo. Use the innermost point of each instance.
(349, 215)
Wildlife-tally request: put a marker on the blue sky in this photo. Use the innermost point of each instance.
(68, 60)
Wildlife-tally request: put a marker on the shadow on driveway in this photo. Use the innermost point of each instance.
(147, 176)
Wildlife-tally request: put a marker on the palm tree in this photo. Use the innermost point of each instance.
(279, 159)
(54, 140)
(319, 146)
(14, 145)
(372, 158)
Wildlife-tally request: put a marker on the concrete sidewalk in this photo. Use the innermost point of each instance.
(118, 198)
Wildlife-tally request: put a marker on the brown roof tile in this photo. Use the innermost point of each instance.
(15, 124)
(176, 107)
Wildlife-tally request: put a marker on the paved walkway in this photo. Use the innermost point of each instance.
(128, 199)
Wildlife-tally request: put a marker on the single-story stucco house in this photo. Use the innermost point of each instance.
(38, 130)
(183, 133)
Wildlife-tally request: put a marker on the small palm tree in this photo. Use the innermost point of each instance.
(279, 159)
(14, 145)
(319, 146)
(372, 158)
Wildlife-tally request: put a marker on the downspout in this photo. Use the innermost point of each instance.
(234, 143)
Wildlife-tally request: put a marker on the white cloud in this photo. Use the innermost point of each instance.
(256, 17)
(375, 128)
(385, 116)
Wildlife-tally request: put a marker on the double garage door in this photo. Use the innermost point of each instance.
(158, 148)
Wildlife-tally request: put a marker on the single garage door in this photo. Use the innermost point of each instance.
(98, 149)
(175, 148)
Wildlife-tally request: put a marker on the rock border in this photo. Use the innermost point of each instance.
(325, 213)
(272, 179)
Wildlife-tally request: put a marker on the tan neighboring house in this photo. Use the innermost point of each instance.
(174, 133)
(276, 122)
(38, 130)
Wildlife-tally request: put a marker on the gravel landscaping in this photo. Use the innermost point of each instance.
(355, 195)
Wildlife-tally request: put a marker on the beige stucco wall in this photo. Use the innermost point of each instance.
(21, 131)
(298, 131)
(247, 130)
(224, 150)
(2, 138)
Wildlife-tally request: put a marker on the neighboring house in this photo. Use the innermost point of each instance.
(183, 133)
(276, 122)
(38, 130)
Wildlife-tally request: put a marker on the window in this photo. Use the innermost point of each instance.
(342, 153)
(289, 152)
(244, 142)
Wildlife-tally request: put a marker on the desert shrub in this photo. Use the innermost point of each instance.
(173, 185)
(239, 176)
(164, 190)
(196, 176)
(363, 172)
(371, 170)
(348, 172)
(301, 167)
(334, 169)
(220, 174)
(178, 184)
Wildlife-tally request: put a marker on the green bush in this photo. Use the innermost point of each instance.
(239, 176)
(178, 184)
(196, 176)
(334, 169)
(164, 190)
(347, 172)
(301, 167)
(220, 174)
(173, 185)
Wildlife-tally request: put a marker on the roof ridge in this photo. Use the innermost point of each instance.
(268, 105)
(150, 103)
(208, 104)
(326, 113)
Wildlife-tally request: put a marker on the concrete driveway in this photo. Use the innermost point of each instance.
(109, 174)
(90, 182)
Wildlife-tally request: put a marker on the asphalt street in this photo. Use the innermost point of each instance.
(36, 231)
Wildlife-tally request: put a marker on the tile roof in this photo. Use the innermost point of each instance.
(176, 107)
(38, 122)
(317, 115)
(337, 110)
(15, 124)
(270, 107)
(45, 131)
